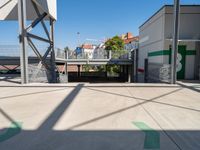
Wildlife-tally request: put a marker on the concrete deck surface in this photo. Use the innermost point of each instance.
(100, 116)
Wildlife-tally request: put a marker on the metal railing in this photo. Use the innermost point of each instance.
(14, 50)
(97, 54)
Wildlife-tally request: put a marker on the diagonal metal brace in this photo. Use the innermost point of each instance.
(35, 22)
(38, 38)
(42, 21)
(33, 47)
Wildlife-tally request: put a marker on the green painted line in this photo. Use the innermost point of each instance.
(159, 53)
(191, 52)
(12, 131)
(168, 52)
(152, 137)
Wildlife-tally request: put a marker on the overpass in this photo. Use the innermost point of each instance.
(9, 55)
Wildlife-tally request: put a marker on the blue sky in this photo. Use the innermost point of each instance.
(94, 19)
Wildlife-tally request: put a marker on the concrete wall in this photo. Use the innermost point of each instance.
(157, 32)
(151, 37)
(189, 30)
(189, 22)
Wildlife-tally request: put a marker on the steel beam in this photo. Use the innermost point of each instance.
(175, 41)
(53, 58)
(42, 22)
(34, 48)
(23, 41)
(38, 38)
(36, 21)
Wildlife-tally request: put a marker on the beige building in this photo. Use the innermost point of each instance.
(156, 39)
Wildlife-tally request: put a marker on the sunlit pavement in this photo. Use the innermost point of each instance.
(100, 116)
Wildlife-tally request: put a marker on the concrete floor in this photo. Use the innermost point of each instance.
(99, 116)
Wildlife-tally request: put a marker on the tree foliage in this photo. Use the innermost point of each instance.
(115, 44)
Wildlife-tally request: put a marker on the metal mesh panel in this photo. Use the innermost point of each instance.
(60, 53)
(99, 53)
(63, 78)
(37, 73)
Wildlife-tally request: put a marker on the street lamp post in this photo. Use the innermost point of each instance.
(175, 41)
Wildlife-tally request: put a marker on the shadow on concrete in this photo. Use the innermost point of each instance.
(57, 113)
(45, 138)
(10, 79)
(120, 110)
(149, 100)
(99, 140)
(34, 93)
(191, 87)
(49, 139)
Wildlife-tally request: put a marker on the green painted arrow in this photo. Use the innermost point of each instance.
(12, 131)
(152, 137)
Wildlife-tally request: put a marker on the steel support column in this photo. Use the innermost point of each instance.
(53, 64)
(23, 41)
(175, 41)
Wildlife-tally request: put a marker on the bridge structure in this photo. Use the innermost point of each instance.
(45, 59)
(9, 56)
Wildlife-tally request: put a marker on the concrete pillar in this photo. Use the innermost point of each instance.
(106, 73)
(124, 72)
(79, 70)
(129, 73)
(66, 70)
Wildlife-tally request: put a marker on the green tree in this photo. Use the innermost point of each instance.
(116, 46)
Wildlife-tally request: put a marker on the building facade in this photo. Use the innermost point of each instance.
(131, 42)
(85, 51)
(156, 43)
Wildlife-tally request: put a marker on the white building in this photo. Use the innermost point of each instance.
(131, 42)
(156, 40)
(88, 50)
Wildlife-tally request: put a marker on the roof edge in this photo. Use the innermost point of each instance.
(198, 5)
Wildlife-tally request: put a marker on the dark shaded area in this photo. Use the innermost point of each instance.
(97, 140)
(193, 88)
(10, 78)
(96, 77)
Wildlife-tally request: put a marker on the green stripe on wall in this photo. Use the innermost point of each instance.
(159, 53)
(190, 52)
(167, 52)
